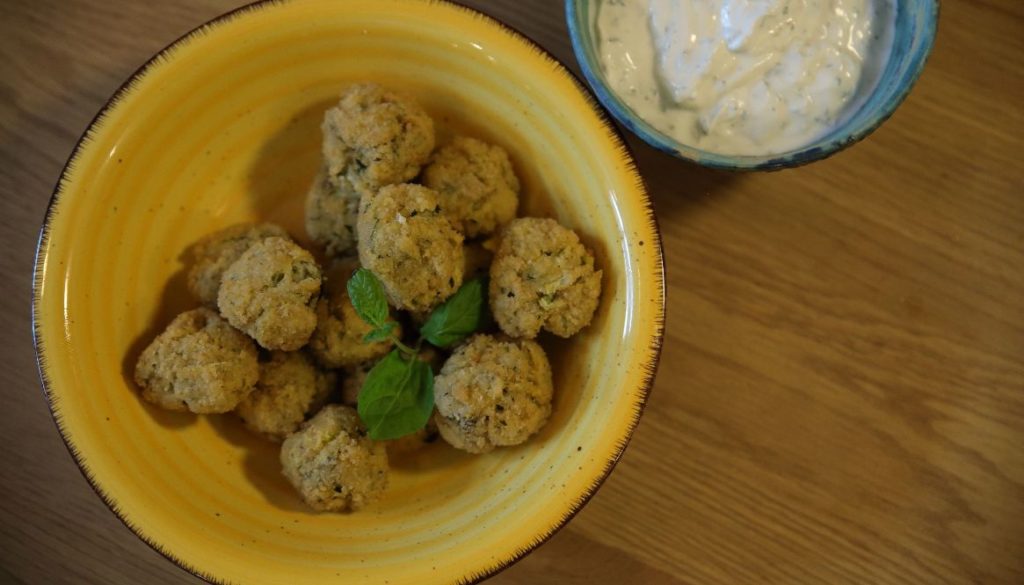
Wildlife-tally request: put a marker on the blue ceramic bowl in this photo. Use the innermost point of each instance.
(916, 23)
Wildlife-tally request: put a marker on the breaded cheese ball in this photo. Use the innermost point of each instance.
(270, 293)
(214, 253)
(376, 137)
(332, 462)
(337, 341)
(410, 245)
(332, 208)
(492, 393)
(542, 277)
(289, 389)
(475, 183)
(199, 363)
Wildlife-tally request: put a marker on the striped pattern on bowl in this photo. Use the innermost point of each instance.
(222, 127)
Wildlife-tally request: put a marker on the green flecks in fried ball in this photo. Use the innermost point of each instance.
(332, 209)
(332, 462)
(290, 388)
(410, 245)
(270, 292)
(216, 252)
(542, 277)
(200, 363)
(376, 137)
(492, 393)
(475, 183)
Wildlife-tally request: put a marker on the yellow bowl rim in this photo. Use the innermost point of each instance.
(627, 152)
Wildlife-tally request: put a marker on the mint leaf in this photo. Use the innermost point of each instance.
(458, 317)
(367, 296)
(380, 333)
(397, 397)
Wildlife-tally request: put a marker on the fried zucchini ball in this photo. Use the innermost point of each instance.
(214, 253)
(542, 277)
(492, 393)
(289, 389)
(270, 293)
(476, 185)
(332, 462)
(376, 137)
(410, 245)
(200, 363)
(332, 208)
(337, 341)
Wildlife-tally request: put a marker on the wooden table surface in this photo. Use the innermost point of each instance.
(841, 392)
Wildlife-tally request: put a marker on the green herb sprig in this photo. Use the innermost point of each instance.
(397, 397)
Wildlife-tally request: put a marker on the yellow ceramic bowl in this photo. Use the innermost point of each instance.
(222, 127)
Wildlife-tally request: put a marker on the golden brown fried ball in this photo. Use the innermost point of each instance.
(410, 245)
(542, 277)
(199, 363)
(375, 137)
(289, 389)
(332, 208)
(492, 393)
(337, 341)
(475, 183)
(216, 252)
(270, 293)
(332, 462)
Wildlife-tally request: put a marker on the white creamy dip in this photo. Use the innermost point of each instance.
(744, 77)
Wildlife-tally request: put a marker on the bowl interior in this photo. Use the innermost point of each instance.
(223, 127)
(914, 33)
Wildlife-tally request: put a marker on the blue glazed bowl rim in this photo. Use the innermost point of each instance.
(815, 152)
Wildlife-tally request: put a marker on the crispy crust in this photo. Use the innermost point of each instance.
(542, 277)
(332, 208)
(411, 246)
(376, 137)
(212, 255)
(199, 363)
(270, 293)
(476, 185)
(492, 393)
(337, 341)
(289, 388)
(333, 464)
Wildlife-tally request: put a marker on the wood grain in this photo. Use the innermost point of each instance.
(841, 394)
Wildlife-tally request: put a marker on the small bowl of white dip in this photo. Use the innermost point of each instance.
(752, 84)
